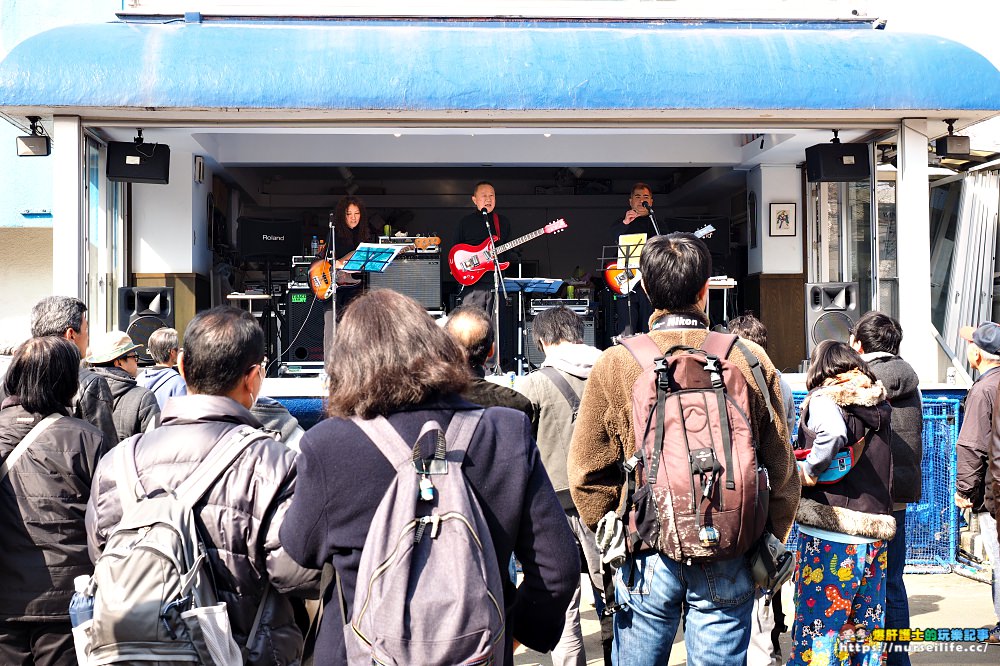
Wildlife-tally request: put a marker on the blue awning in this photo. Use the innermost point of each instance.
(428, 66)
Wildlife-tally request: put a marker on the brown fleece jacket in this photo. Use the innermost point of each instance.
(603, 434)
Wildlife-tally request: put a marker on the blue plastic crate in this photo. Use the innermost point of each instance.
(932, 523)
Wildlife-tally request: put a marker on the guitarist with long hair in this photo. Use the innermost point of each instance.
(350, 228)
(472, 231)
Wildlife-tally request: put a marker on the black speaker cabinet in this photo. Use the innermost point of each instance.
(129, 162)
(831, 311)
(303, 338)
(142, 310)
(837, 162)
(535, 355)
(415, 275)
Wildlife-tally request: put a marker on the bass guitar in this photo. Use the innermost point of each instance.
(321, 275)
(624, 280)
(468, 263)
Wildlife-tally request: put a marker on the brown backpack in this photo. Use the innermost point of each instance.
(695, 488)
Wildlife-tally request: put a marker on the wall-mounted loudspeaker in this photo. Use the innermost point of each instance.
(831, 310)
(837, 163)
(131, 162)
(142, 310)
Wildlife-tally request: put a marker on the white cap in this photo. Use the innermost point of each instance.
(81, 583)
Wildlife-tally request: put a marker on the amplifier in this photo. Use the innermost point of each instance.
(303, 338)
(536, 355)
(415, 275)
(409, 240)
(581, 306)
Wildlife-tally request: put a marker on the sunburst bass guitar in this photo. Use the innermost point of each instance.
(321, 277)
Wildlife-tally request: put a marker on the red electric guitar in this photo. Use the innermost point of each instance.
(623, 280)
(468, 263)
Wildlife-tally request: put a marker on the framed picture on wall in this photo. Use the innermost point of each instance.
(782, 219)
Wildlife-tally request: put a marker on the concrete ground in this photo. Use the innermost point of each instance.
(936, 600)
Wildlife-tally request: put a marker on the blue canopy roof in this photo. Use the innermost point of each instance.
(491, 66)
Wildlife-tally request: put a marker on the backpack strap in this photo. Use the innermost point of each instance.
(223, 454)
(389, 442)
(719, 344)
(126, 474)
(643, 349)
(562, 384)
(23, 445)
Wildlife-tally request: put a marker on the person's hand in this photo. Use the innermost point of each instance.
(629, 216)
(962, 502)
(805, 478)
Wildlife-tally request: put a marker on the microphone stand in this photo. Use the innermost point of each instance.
(652, 217)
(498, 285)
(332, 254)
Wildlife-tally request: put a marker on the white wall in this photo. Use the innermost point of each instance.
(781, 184)
(162, 233)
(26, 274)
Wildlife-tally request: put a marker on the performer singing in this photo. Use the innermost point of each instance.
(632, 312)
(350, 228)
(472, 230)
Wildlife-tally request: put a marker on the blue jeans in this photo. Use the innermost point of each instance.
(897, 607)
(718, 597)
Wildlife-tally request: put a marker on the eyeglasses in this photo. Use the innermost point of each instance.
(128, 356)
(262, 365)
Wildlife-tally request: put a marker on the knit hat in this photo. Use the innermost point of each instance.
(106, 347)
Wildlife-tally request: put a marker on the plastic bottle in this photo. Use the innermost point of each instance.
(81, 606)
(314, 246)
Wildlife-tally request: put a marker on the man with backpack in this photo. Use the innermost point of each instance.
(682, 425)
(114, 358)
(236, 482)
(554, 392)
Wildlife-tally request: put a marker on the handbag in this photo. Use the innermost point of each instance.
(842, 463)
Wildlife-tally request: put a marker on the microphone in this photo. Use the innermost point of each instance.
(484, 211)
(645, 204)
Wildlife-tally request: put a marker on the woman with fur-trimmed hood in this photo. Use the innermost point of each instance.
(845, 515)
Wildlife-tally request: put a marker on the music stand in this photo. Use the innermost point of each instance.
(625, 257)
(371, 258)
(549, 286)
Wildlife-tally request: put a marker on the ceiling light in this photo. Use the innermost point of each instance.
(546, 135)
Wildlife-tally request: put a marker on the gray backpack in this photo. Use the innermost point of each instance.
(154, 597)
(429, 589)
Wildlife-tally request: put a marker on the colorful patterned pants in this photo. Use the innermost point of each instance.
(839, 600)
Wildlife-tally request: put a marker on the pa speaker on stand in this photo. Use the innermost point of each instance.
(832, 309)
(142, 310)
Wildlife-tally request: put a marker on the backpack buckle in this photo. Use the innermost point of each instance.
(630, 464)
(714, 370)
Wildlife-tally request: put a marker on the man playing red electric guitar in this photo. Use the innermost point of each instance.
(472, 231)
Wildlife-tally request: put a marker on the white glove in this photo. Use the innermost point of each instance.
(611, 540)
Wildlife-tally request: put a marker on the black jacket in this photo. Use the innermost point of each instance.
(134, 407)
(342, 477)
(903, 393)
(42, 502)
(861, 502)
(483, 392)
(93, 404)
